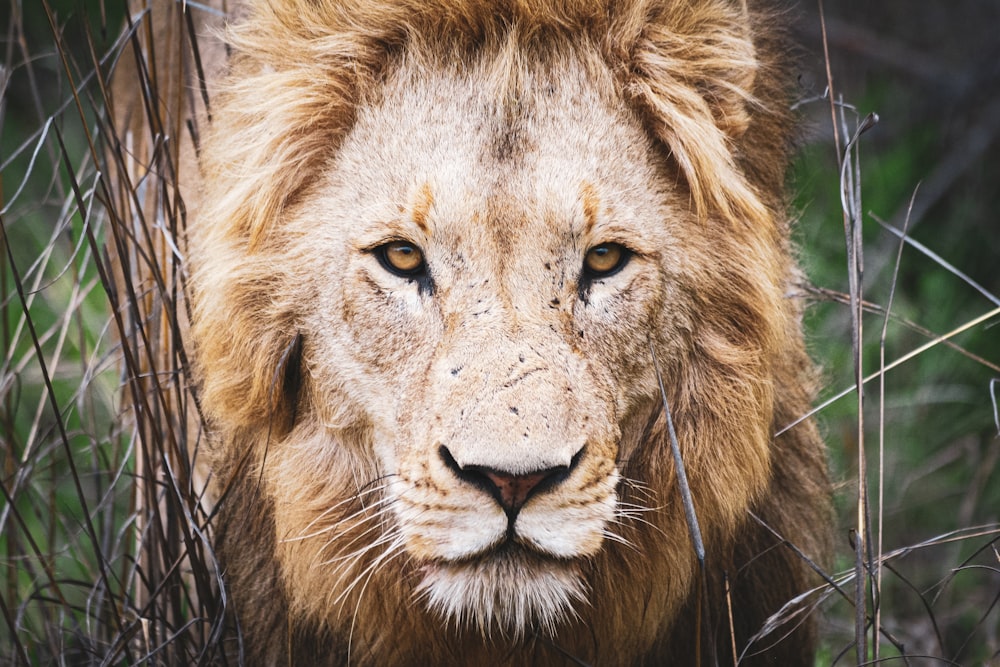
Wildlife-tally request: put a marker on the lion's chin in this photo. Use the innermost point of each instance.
(510, 592)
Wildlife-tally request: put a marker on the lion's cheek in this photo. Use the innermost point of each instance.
(572, 527)
(455, 527)
(384, 330)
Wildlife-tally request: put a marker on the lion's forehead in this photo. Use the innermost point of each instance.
(536, 169)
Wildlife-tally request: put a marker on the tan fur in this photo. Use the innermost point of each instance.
(504, 139)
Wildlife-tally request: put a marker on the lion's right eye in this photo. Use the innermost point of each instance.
(605, 260)
(401, 258)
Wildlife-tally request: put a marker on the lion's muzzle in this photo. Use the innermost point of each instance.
(511, 489)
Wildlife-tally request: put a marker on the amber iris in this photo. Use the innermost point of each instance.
(605, 259)
(402, 258)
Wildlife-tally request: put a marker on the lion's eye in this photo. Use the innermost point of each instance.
(605, 259)
(402, 258)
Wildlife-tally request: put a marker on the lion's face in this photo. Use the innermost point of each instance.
(479, 272)
(483, 281)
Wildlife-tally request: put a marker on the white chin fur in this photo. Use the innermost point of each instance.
(508, 594)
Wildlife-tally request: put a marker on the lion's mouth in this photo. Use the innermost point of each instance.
(510, 588)
(510, 548)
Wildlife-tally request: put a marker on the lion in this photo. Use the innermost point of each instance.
(461, 272)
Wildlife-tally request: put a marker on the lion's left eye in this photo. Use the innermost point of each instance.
(401, 258)
(605, 259)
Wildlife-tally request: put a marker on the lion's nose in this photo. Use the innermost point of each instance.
(511, 490)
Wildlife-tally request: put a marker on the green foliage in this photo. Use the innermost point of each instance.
(941, 447)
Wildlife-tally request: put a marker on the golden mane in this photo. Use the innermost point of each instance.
(666, 130)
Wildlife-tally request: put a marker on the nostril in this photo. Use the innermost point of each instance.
(511, 490)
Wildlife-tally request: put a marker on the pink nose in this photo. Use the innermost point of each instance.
(512, 491)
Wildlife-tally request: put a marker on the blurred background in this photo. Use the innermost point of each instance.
(929, 439)
(931, 71)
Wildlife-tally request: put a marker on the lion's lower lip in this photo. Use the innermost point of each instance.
(507, 551)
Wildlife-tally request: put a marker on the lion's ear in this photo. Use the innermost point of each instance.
(690, 71)
(287, 396)
(249, 353)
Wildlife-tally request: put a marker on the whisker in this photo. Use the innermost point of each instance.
(394, 549)
(339, 522)
(632, 517)
(640, 488)
(392, 552)
(342, 545)
(357, 553)
(632, 507)
(620, 539)
(345, 569)
(329, 510)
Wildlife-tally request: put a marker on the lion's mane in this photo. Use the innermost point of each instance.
(316, 572)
